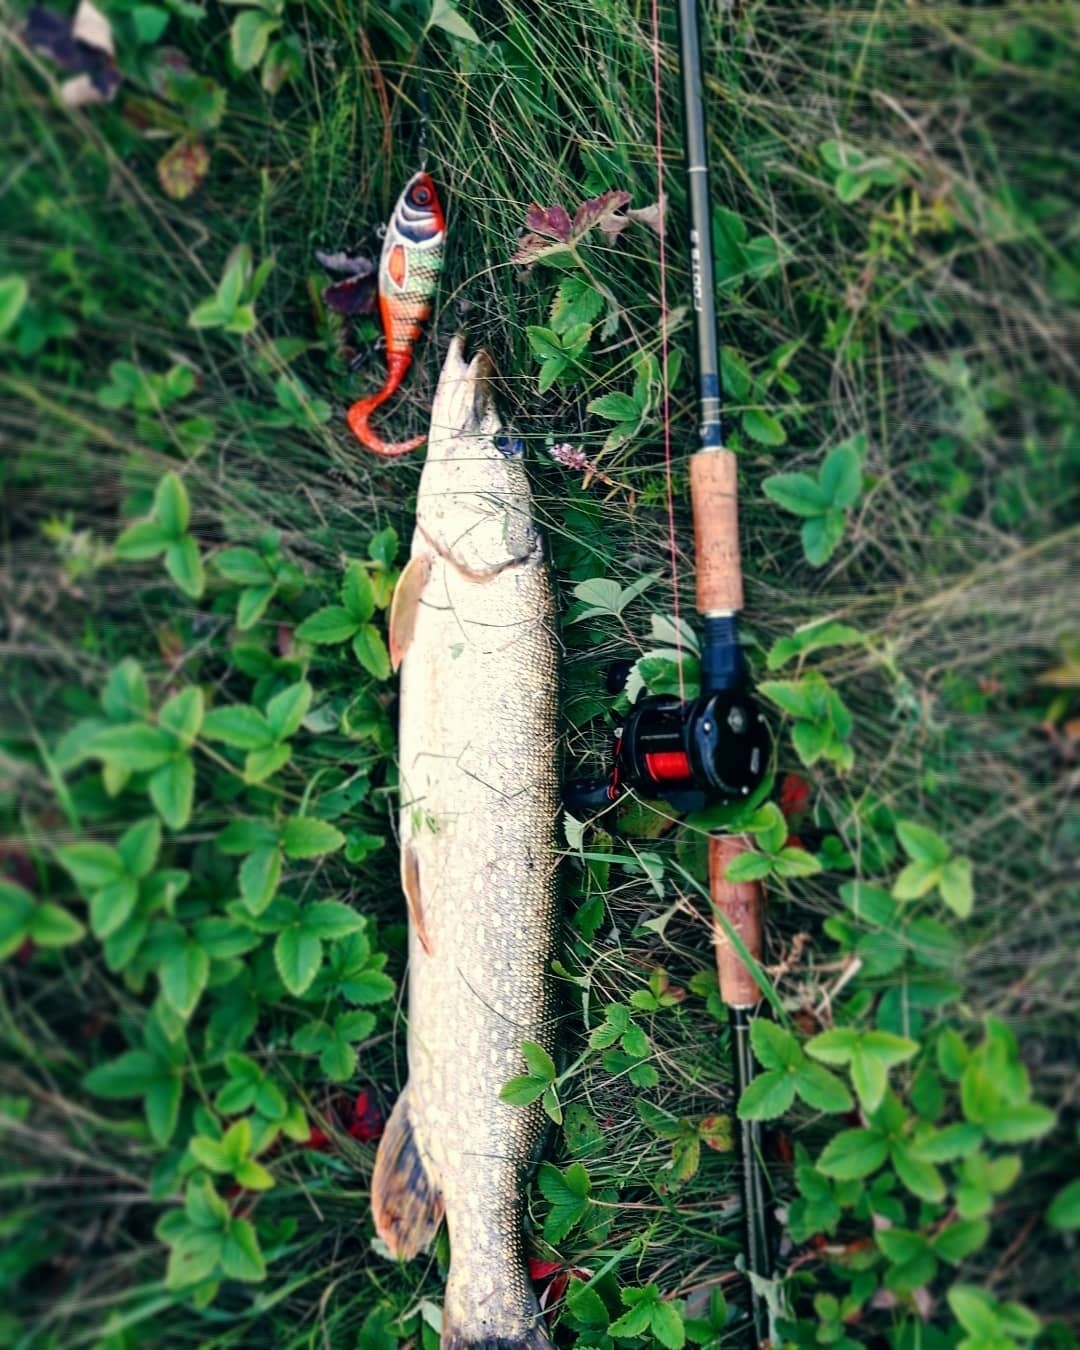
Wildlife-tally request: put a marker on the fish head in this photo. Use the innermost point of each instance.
(418, 215)
(473, 504)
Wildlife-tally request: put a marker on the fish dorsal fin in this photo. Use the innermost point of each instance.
(406, 1203)
(414, 898)
(405, 603)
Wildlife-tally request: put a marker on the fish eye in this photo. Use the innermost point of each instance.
(421, 195)
(511, 446)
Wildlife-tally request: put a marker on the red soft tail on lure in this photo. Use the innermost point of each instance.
(408, 273)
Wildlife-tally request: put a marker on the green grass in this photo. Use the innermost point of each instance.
(927, 310)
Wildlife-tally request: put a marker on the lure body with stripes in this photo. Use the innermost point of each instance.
(473, 626)
(408, 272)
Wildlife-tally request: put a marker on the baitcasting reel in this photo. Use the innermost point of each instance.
(711, 748)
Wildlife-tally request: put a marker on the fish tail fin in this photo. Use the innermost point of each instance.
(406, 1202)
(469, 1327)
(397, 363)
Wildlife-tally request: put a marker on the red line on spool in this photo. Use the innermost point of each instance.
(668, 766)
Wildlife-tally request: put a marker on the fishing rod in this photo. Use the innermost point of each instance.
(714, 747)
(714, 496)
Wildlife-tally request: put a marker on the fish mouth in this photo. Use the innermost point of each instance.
(463, 403)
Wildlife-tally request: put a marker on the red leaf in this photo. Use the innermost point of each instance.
(794, 796)
(183, 168)
(353, 295)
(368, 1123)
(553, 222)
(318, 1140)
(599, 209)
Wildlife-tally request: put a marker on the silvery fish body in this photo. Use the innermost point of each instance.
(473, 627)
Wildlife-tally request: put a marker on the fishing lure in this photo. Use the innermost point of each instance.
(408, 271)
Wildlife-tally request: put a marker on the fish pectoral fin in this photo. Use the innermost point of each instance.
(405, 604)
(406, 1203)
(414, 897)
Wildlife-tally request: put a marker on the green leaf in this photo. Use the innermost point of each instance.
(183, 715)
(298, 956)
(667, 1326)
(139, 846)
(368, 986)
(52, 927)
(616, 408)
(134, 747)
(251, 31)
(1064, 1211)
(183, 564)
(306, 837)
(14, 293)
(286, 711)
(91, 865)
(796, 492)
(330, 919)
(748, 866)
(922, 844)
(111, 907)
(568, 1193)
(915, 880)
(260, 874)
(172, 790)
(240, 726)
(357, 593)
(370, 650)
(539, 1062)
(1019, 1124)
(576, 301)
(145, 539)
(243, 567)
(920, 1177)
(241, 1258)
(445, 15)
(523, 1090)
(183, 974)
(192, 1259)
(960, 1239)
(764, 428)
(821, 536)
(545, 344)
(132, 1075)
(163, 1106)
(841, 476)
(956, 886)
(172, 509)
(252, 605)
(853, 1154)
(814, 637)
(768, 1096)
(821, 1089)
(259, 765)
(774, 1047)
(327, 626)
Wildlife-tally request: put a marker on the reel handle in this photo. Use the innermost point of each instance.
(742, 904)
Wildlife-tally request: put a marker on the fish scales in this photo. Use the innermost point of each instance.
(474, 619)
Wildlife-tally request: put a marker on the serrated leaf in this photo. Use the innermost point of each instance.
(853, 1154)
(357, 593)
(298, 956)
(259, 765)
(768, 1096)
(183, 975)
(306, 837)
(183, 564)
(172, 509)
(260, 874)
(764, 428)
(327, 626)
(172, 790)
(240, 726)
(286, 711)
(370, 650)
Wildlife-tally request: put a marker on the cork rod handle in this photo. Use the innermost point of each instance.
(741, 903)
(714, 495)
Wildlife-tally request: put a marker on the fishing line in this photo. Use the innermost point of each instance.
(669, 485)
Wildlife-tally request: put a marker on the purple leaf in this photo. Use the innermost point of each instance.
(354, 295)
(553, 222)
(597, 210)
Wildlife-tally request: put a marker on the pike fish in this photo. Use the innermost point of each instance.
(472, 625)
(409, 267)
